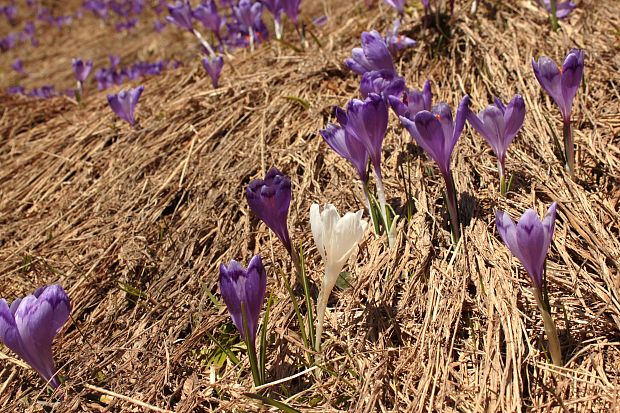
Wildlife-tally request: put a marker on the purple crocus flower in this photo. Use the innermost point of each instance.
(181, 15)
(213, 66)
(291, 9)
(347, 146)
(382, 82)
(275, 7)
(413, 101)
(562, 85)
(270, 199)
(16, 90)
(395, 41)
(373, 55)
(529, 239)
(437, 134)
(207, 14)
(28, 327)
(18, 66)
(124, 103)
(499, 125)
(562, 9)
(244, 288)
(399, 5)
(81, 69)
(247, 13)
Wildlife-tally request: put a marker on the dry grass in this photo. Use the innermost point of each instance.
(135, 222)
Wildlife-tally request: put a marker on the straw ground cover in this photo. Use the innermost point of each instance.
(134, 223)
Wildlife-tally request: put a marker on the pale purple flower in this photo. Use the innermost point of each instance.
(373, 55)
(413, 101)
(562, 8)
(207, 14)
(529, 239)
(382, 82)
(243, 291)
(18, 66)
(270, 199)
(561, 83)
(124, 103)
(291, 9)
(180, 14)
(81, 69)
(399, 5)
(213, 67)
(499, 125)
(28, 327)
(395, 41)
(437, 133)
(247, 13)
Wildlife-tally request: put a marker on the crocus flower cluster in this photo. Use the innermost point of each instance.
(107, 77)
(28, 326)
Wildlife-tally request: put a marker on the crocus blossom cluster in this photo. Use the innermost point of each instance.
(28, 326)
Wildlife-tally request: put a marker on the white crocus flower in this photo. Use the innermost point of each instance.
(336, 239)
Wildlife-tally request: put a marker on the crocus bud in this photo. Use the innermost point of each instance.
(245, 289)
(336, 238)
(561, 84)
(529, 239)
(373, 55)
(124, 103)
(181, 15)
(499, 125)
(28, 327)
(270, 199)
(213, 67)
(348, 147)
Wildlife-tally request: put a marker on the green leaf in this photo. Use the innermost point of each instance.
(344, 280)
(304, 103)
(278, 405)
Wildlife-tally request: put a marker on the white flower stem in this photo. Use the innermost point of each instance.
(369, 206)
(321, 306)
(204, 42)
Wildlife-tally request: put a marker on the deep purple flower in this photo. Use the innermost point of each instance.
(98, 7)
(28, 327)
(373, 55)
(291, 9)
(181, 15)
(413, 101)
(437, 133)
(124, 103)
(213, 66)
(245, 289)
(275, 7)
(16, 90)
(347, 146)
(561, 84)
(8, 42)
(382, 82)
(44, 92)
(528, 240)
(562, 8)
(395, 41)
(499, 125)
(18, 66)
(270, 199)
(399, 5)
(367, 122)
(81, 69)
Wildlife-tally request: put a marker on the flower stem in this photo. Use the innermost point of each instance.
(554, 17)
(369, 206)
(552, 333)
(250, 345)
(569, 148)
(453, 210)
(503, 185)
(204, 42)
(298, 261)
(383, 203)
(321, 306)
